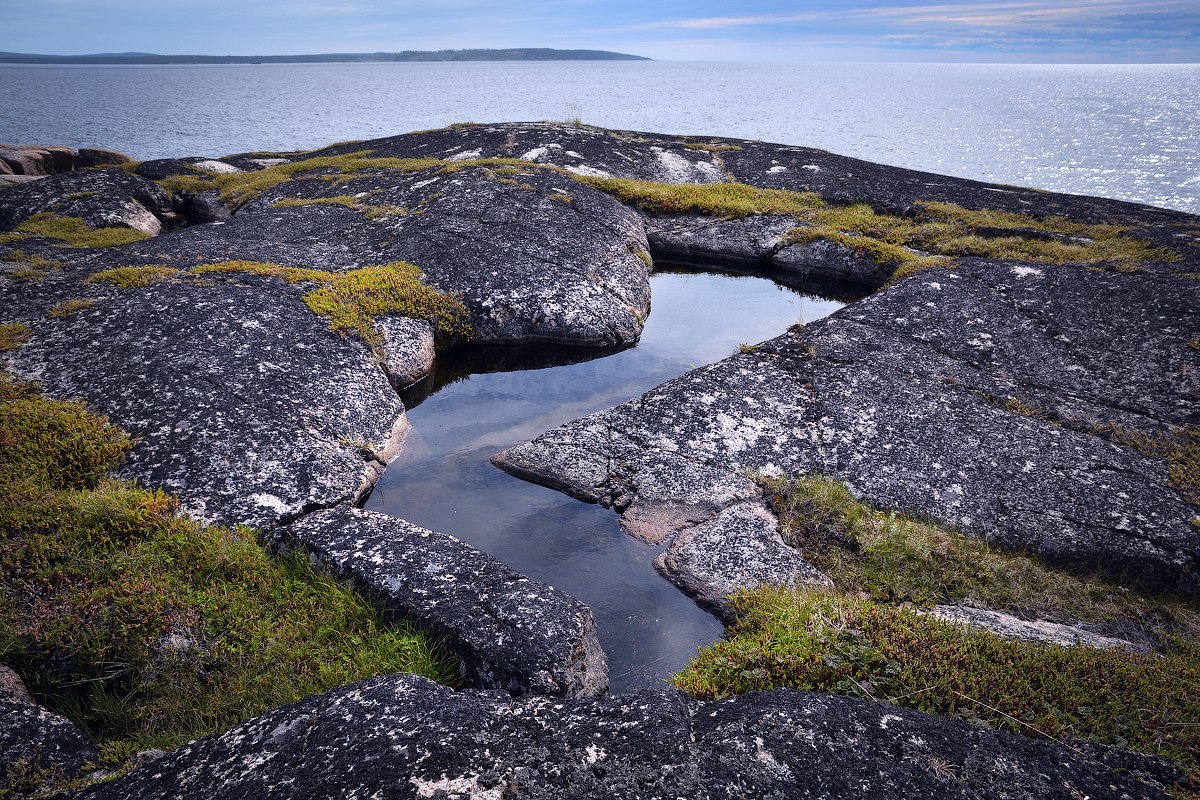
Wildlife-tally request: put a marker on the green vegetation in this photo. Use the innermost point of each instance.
(867, 638)
(144, 626)
(350, 300)
(132, 277)
(70, 307)
(940, 230)
(894, 559)
(1180, 449)
(239, 188)
(31, 266)
(74, 232)
(366, 209)
(13, 236)
(12, 336)
(712, 147)
(835, 643)
(729, 200)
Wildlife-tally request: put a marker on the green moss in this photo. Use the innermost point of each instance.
(368, 210)
(1180, 449)
(729, 200)
(239, 188)
(31, 267)
(74, 232)
(81, 195)
(561, 197)
(70, 307)
(892, 558)
(144, 626)
(829, 642)
(132, 277)
(13, 236)
(712, 147)
(13, 335)
(350, 300)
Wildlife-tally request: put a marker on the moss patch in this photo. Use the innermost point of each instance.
(892, 558)
(13, 335)
(368, 210)
(729, 200)
(68, 308)
(239, 188)
(350, 300)
(132, 277)
(74, 232)
(829, 642)
(144, 626)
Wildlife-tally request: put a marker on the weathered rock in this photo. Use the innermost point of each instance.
(100, 157)
(408, 349)
(102, 198)
(245, 403)
(739, 548)
(891, 395)
(1036, 630)
(206, 207)
(510, 632)
(824, 263)
(403, 736)
(37, 159)
(7, 181)
(34, 738)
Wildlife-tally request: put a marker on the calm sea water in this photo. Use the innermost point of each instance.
(1130, 132)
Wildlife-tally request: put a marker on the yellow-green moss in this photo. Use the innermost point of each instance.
(239, 188)
(146, 627)
(814, 640)
(69, 308)
(132, 277)
(729, 200)
(13, 335)
(712, 147)
(350, 300)
(368, 210)
(13, 236)
(74, 232)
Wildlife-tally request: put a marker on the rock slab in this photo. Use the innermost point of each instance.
(405, 737)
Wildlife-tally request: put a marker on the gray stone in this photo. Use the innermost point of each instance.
(1035, 630)
(739, 548)
(510, 632)
(37, 159)
(403, 736)
(408, 349)
(34, 737)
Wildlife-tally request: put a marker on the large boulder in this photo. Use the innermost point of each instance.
(403, 736)
(108, 198)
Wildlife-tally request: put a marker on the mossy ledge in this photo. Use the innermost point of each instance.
(145, 627)
(74, 232)
(869, 639)
(350, 300)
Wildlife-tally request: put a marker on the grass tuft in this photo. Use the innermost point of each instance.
(68, 308)
(368, 210)
(13, 335)
(144, 626)
(729, 200)
(821, 641)
(74, 232)
(132, 277)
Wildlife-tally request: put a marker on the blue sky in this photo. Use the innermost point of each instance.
(758, 30)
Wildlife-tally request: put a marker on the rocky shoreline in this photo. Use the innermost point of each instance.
(1026, 372)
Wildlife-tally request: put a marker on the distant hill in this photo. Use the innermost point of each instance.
(510, 54)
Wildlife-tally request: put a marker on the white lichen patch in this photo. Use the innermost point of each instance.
(465, 155)
(1024, 272)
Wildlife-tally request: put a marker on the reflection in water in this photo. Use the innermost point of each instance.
(443, 479)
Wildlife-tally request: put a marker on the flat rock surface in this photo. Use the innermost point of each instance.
(403, 736)
(510, 632)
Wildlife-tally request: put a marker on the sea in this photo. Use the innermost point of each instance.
(1130, 132)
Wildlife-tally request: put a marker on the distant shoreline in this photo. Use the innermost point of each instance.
(509, 54)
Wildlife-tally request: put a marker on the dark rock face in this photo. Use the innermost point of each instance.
(100, 157)
(219, 384)
(34, 737)
(402, 736)
(510, 632)
(102, 198)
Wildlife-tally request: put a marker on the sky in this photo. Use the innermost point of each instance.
(1086, 31)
